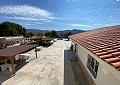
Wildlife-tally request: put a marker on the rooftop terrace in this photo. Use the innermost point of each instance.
(52, 67)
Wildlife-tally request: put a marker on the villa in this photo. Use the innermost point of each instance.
(99, 53)
(18, 40)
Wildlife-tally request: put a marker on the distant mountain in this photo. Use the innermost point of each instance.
(74, 31)
(37, 30)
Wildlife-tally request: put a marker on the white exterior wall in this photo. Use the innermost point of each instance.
(106, 74)
(13, 37)
(15, 42)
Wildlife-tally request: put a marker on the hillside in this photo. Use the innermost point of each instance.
(74, 31)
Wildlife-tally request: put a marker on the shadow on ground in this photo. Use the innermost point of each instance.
(7, 74)
(68, 73)
(73, 74)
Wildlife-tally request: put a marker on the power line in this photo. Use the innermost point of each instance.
(101, 11)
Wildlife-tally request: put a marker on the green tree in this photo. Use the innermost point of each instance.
(67, 34)
(48, 34)
(61, 35)
(52, 34)
(29, 34)
(11, 29)
(40, 34)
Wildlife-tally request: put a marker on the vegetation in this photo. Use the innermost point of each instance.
(29, 34)
(67, 34)
(55, 35)
(40, 34)
(13, 29)
(52, 34)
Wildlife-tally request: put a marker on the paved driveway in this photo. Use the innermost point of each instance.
(47, 69)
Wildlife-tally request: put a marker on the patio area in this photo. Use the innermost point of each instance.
(51, 67)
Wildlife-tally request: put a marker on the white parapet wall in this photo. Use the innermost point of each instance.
(10, 37)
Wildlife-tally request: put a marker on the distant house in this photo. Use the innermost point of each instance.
(99, 53)
(33, 39)
(16, 40)
(47, 41)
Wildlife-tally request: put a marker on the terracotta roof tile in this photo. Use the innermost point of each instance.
(116, 65)
(101, 53)
(106, 56)
(113, 60)
(112, 50)
(97, 51)
(107, 48)
(116, 53)
(103, 42)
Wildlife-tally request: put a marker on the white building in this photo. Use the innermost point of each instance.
(16, 40)
(99, 53)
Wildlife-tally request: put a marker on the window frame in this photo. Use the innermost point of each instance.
(92, 65)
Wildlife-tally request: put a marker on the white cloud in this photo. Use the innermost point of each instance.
(79, 25)
(26, 18)
(97, 24)
(118, 0)
(28, 24)
(71, 0)
(36, 23)
(27, 13)
(25, 10)
(63, 18)
(48, 21)
(32, 23)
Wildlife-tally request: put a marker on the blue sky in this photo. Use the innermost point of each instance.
(61, 14)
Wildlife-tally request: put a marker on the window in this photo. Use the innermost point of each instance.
(92, 65)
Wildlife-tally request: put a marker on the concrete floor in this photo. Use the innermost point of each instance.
(52, 67)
